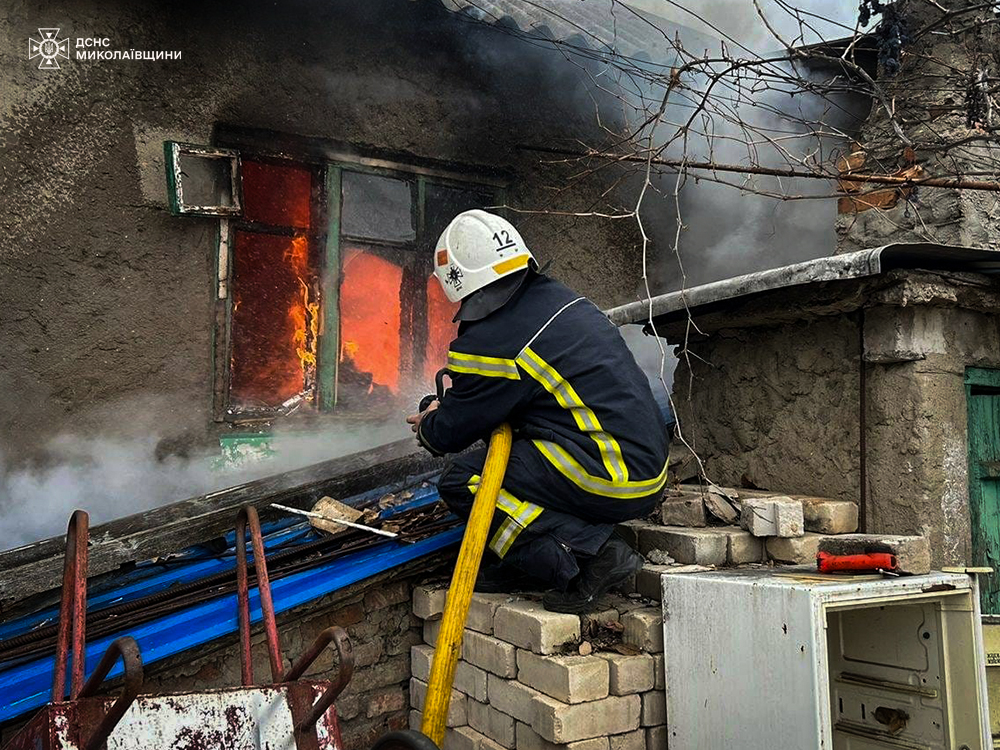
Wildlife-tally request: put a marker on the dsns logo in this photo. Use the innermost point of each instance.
(49, 48)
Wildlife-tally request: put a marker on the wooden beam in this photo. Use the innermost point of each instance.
(37, 568)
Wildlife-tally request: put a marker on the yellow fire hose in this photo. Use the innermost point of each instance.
(456, 608)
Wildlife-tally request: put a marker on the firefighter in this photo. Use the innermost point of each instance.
(590, 446)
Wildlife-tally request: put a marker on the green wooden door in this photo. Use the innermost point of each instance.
(983, 390)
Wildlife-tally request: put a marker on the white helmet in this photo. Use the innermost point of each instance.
(476, 249)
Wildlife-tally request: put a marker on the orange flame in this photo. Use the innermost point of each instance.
(304, 312)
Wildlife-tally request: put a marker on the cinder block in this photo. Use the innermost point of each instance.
(628, 674)
(428, 601)
(794, 550)
(431, 630)
(654, 708)
(687, 509)
(571, 679)
(530, 626)
(529, 739)
(659, 672)
(629, 531)
(469, 679)
(629, 741)
(513, 698)
(495, 724)
(457, 715)
(647, 581)
(744, 548)
(826, 516)
(489, 653)
(467, 738)
(561, 723)
(644, 629)
(773, 516)
(913, 553)
(482, 609)
(592, 622)
(698, 546)
(656, 738)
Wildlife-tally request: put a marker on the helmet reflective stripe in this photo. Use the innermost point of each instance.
(476, 249)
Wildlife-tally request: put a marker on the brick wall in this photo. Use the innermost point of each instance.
(536, 680)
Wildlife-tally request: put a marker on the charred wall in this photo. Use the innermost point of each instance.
(108, 299)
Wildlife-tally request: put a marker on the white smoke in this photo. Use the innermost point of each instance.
(111, 477)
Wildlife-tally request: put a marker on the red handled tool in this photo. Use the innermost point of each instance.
(828, 563)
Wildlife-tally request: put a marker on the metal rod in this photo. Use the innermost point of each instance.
(248, 516)
(351, 524)
(877, 179)
(72, 617)
(243, 602)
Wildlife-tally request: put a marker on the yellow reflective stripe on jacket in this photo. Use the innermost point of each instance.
(490, 367)
(570, 468)
(520, 514)
(586, 420)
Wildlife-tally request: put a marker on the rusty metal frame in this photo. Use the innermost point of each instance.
(73, 608)
(128, 650)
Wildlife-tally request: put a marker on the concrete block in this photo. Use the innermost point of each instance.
(513, 698)
(659, 672)
(647, 581)
(428, 601)
(629, 741)
(467, 738)
(913, 553)
(571, 679)
(489, 653)
(452, 739)
(629, 674)
(469, 679)
(629, 531)
(457, 715)
(687, 509)
(495, 724)
(654, 708)
(561, 723)
(825, 516)
(530, 626)
(529, 739)
(482, 609)
(794, 550)
(698, 546)
(773, 516)
(744, 548)
(592, 622)
(431, 630)
(656, 738)
(644, 629)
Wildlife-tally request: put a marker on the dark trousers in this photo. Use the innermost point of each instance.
(543, 522)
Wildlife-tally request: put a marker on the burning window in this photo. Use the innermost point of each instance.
(275, 311)
(325, 293)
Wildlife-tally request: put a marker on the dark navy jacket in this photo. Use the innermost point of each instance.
(551, 364)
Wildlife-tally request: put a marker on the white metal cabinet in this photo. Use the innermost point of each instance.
(788, 658)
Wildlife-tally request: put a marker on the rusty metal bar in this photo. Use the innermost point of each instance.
(345, 668)
(248, 515)
(73, 608)
(243, 602)
(128, 650)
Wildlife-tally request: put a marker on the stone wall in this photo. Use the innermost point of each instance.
(536, 680)
(775, 406)
(771, 395)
